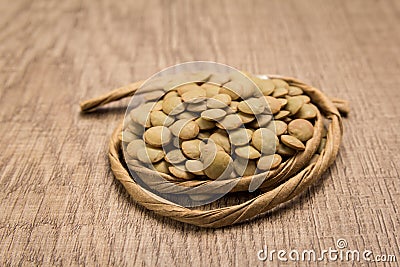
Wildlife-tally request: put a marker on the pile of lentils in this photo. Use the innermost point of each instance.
(218, 128)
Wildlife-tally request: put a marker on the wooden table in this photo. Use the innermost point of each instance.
(60, 204)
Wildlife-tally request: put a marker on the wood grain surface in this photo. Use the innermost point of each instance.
(59, 202)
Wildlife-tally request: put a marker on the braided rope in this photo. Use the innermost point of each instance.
(280, 185)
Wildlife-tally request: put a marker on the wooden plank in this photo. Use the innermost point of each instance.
(59, 202)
